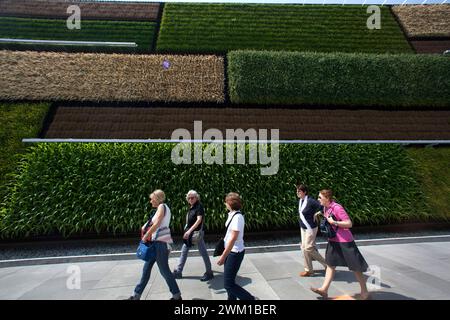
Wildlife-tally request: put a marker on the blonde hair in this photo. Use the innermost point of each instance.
(159, 195)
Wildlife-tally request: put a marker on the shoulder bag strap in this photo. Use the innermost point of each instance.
(157, 231)
(237, 212)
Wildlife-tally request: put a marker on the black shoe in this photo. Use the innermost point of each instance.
(177, 274)
(207, 276)
(132, 298)
(180, 298)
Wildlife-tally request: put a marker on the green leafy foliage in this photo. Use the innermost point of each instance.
(17, 121)
(224, 27)
(103, 188)
(433, 167)
(342, 79)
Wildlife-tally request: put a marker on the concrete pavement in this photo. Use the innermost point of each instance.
(401, 271)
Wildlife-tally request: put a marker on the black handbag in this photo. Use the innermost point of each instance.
(220, 245)
(326, 229)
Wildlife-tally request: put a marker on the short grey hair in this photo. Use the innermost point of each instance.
(193, 193)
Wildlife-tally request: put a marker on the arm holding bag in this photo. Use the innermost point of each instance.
(147, 251)
(327, 229)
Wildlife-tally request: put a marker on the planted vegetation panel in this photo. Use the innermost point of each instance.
(17, 121)
(110, 77)
(339, 79)
(89, 10)
(433, 169)
(56, 29)
(424, 20)
(82, 188)
(431, 46)
(225, 27)
(122, 122)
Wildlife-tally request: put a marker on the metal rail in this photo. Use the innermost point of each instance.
(70, 43)
(341, 2)
(403, 142)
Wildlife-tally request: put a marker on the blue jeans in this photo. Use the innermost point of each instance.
(162, 259)
(203, 252)
(231, 268)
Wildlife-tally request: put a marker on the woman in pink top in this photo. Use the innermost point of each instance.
(341, 250)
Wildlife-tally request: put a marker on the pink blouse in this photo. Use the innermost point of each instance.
(342, 235)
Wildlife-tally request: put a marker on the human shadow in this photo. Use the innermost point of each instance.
(374, 295)
(349, 277)
(384, 295)
(193, 277)
(217, 282)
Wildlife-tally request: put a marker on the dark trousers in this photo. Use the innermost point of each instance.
(231, 268)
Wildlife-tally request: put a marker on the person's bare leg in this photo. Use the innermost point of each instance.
(329, 276)
(323, 290)
(362, 282)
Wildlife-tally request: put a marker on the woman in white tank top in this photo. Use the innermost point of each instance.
(164, 229)
(159, 233)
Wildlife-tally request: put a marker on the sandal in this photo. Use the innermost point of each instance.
(320, 292)
(359, 297)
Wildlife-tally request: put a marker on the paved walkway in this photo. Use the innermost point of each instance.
(405, 271)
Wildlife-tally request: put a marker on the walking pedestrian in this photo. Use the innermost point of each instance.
(307, 207)
(234, 251)
(341, 250)
(157, 230)
(195, 220)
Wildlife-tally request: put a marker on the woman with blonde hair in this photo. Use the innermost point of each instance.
(341, 249)
(157, 230)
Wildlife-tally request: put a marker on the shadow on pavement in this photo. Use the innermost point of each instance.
(383, 295)
(217, 282)
(349, 277)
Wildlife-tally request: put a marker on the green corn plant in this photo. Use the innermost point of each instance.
(67, 189)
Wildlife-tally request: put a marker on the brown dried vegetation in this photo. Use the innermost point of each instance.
(89, 10)
(110, 77)
(424, 20)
